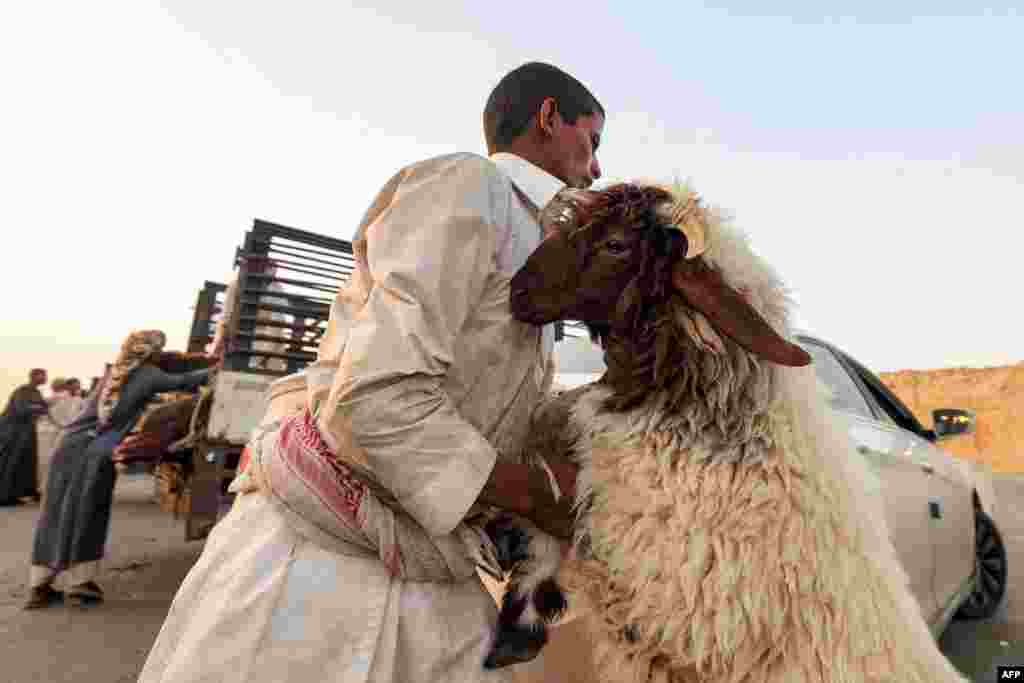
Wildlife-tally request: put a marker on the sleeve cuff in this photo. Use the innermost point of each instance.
(443, 505)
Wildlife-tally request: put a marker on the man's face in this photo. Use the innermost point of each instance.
(38, 378)
(74, 388)
(574, 150)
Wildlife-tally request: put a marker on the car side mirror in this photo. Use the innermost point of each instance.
(952, 422)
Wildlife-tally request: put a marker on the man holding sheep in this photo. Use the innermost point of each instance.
(421, 396)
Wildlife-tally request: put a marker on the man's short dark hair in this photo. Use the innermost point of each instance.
(518, 96)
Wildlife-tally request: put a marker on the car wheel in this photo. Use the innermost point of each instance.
(990, 588)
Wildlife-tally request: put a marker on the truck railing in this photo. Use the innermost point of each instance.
(287, 310)
(209, 301)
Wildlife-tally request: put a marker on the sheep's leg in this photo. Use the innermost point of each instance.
(515, 642)
(532, 599)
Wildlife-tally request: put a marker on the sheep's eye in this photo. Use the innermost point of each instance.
(615, 246)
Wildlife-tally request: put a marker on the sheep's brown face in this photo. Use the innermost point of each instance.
(569, 278)
(588, 259)
(612, 263)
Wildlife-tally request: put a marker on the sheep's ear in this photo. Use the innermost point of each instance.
(731, 315)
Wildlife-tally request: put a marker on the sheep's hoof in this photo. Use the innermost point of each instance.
(516, 646)
(511, 542)
(549, 600)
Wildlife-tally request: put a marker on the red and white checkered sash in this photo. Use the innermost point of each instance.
(329, 503)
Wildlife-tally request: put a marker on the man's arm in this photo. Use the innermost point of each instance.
(431, 239)
(525, 490)
(163, 381)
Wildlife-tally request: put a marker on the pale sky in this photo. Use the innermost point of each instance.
(875, 155)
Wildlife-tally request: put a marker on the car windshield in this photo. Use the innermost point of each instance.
(845, 395)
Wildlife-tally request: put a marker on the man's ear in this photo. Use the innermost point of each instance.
(548, 116)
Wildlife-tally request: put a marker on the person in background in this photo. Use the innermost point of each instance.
(75, 403)
(19, 443)
(74, 387)
(65, 403)
(49, 427)
(72, 530)
(58, 389)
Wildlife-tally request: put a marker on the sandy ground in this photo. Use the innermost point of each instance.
(148, 558)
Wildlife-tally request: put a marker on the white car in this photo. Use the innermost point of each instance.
(940, 517)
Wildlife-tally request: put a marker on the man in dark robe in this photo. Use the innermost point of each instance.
(19, 447)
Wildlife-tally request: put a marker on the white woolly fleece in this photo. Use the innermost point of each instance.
(776, 568)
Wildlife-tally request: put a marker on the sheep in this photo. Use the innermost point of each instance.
(725, 531)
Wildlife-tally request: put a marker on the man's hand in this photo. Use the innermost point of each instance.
(526, 490)
(556, 518)
(565, 474)
(568, 210)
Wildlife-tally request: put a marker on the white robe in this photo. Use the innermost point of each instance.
(424, 367)
(64, 408)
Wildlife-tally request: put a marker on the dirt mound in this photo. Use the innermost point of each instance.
(995, 395)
